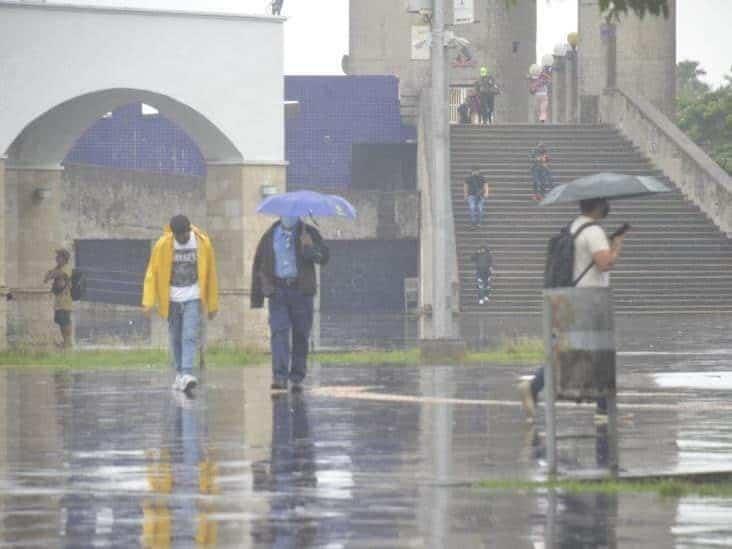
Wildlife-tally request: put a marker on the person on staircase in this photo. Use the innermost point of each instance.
(483, 260)
(464, 112)
(474, 108)
(540, 172)
(487, 90)
(476, 191)
(539, 87)
(595, 256)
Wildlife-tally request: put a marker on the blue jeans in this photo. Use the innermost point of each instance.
(184, 325)
(476, 205)
(543, 181)
(290, 317)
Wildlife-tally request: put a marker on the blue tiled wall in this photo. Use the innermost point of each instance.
(335, 113)
(132, 141)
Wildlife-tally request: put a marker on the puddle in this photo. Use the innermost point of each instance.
(714, 381)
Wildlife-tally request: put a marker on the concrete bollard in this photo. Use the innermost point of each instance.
(579, 342)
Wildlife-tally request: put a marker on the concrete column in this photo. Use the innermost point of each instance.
(610, 48)
(643, 62)
(232, 195)
(34, 232)
(572, 88)
(559, 90)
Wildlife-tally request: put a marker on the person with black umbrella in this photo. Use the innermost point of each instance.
(594, 257)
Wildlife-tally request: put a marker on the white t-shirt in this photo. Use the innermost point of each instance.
(184, 274)
(590, 241)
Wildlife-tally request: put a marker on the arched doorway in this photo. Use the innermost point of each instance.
(42, 215)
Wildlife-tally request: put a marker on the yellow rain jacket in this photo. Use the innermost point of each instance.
(157, 277)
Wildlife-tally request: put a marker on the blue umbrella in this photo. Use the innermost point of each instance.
(307, 203)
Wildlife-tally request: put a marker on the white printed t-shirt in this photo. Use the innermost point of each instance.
(184, 274)
(590, 241)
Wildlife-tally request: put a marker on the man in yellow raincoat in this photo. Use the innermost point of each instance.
(181, 281)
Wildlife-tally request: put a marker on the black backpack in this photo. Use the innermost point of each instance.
(559, 267)
(78, 285)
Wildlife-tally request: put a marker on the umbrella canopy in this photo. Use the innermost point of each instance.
(604, 185)
(304, 203)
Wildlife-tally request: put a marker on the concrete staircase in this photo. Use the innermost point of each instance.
(675, 259)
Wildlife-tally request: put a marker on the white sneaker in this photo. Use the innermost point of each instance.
(188, 383)
(177, 383)
(480, 302)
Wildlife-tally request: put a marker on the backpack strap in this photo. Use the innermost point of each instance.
(574, 237)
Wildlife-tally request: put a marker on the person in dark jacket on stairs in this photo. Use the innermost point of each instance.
(284, 273)
(476, 191)
(540, 173)
(483, 273)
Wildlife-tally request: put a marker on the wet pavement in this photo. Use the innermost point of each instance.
(366, 457)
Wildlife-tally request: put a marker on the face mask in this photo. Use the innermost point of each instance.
(606, 210)
(289, 222)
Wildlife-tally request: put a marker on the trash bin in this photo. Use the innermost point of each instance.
(580, 342)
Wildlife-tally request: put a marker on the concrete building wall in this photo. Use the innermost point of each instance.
(645, 55)
(196, 67)
(105, 203)
(503, 39)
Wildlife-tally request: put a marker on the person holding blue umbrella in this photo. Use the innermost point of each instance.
(284, 273)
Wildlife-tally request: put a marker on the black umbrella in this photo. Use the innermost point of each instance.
(604, 185)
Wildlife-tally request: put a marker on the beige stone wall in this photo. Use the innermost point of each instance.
(232, 195)
(700, 178)
(33, 234)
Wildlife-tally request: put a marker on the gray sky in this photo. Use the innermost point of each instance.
(316, 35)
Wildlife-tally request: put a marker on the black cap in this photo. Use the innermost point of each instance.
(180, 224)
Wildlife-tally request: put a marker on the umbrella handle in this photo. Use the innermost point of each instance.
(312, 218)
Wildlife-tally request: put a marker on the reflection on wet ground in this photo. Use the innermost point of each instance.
(115, 459)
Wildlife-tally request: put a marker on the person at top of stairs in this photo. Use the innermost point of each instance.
(483, 260)
(487, 89)
(476, 191)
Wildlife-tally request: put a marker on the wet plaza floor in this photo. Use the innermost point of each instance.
(366, 457)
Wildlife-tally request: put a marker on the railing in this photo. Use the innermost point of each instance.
(700, 178)
(458, 94)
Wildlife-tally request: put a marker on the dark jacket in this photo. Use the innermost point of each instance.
(263, 270)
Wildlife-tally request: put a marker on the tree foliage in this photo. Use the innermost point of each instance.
(688, 84)
(615, 8)
(706, 115)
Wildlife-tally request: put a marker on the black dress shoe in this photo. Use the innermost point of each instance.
(297, 388)
(278, 387)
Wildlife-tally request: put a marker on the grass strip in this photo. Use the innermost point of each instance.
(125, 358)
(510, 352)
(671, 488)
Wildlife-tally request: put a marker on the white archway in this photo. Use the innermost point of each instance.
(219, 77)
(45, 142)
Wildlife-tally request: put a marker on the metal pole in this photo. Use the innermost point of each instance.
(612, 433)
(549, 390)
(442, 270)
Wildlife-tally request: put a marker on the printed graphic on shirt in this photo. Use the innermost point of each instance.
(185, 268)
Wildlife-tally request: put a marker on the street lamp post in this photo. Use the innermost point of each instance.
(441, 265)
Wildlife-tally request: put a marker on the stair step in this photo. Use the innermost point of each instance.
(675, 259)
